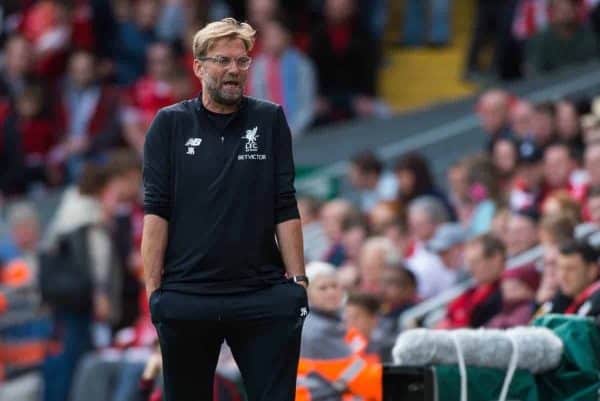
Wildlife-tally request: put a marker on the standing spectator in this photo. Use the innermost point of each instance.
(135, 33)
(17, 68)
(343, 51)
(566, 41)
(485, 257)
(366, 174)
(425, 215)
(27, 134)
(160, 87)
(89, 113)
(519, 286)
(415, 179)
(492, 110)
(282, 74)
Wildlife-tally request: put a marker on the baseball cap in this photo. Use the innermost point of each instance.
(446, 236)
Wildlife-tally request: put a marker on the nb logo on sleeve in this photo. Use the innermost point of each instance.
(191, 145)
(303, 311)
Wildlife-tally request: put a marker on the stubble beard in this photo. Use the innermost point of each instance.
(220, 96)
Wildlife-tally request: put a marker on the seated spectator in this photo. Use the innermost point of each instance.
(361, 314)
(484, 193)
(448, 243)
(383, 215)
(313, 233)
(333, 215)
(282, 74)
(559, 166)
(485, 257)
(591, 163)
(492, 110)
(543, 129)
(375, 255)
(526, 190)
(89, 114)
(160, 87)
(568, 128)
(17, 67)
(398, 294)
(28, 134)
(578, 278)
(521, 119)
(425, 215)
(415, 179)
(519, 286)
(522, 231)
(355, 233)
(505, 156)
(593, 206)
(342, 51)
(366, 175)
(566, 41)
(562, 203)
(458, 190)
(397, 232)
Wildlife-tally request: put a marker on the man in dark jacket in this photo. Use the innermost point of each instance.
(218, 190)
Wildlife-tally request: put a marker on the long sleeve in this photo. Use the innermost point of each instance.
(157, 168)
(285, 202)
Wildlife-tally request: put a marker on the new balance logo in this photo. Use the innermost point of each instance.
(303, 311)
(191, 145)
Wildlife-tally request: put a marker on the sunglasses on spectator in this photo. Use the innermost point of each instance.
(243, 63)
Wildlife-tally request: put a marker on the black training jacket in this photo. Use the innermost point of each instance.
(222, 192)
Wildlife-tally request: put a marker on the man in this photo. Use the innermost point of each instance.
(218, 177)
(485, 257)
(448, 243)
(522, 231)
(367, 176)
(493, 107)
(578, 277)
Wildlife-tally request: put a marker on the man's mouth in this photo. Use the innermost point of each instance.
(231, 84)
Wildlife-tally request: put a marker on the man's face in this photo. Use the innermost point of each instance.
(395, 288)
(543, 126)
(325, 293)
(557, 166)
(357, 178)
(82, 69)
(593, 205)
(359, 318)
(564, 12)
(521, 119)
(453, 258)
(522, 234)
(225, 85)
(531, 174)
(421, 225)
(275, 38)
(484, 270)
(18, 56)
(567, 120)
(26, 234)
(493, 113)
(160, 62)
(574, 274)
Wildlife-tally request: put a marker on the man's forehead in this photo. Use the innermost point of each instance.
(228, 47)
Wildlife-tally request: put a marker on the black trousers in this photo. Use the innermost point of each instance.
(262, 328)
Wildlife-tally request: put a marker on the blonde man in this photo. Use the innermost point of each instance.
(218, 191)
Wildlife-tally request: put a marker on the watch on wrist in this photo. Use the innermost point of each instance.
(300, 279)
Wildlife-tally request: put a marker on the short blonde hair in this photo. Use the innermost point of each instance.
(206, 37)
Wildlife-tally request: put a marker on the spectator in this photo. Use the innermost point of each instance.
(415, 180)
(568, 128)
(527, 187)
(397, 232)
(492, 109)
(24, 235)
(333, 215)
(366, 174)
(505, 156)
(485, 258)
(355, 233)
(323, 332)
(522, 231)
(162, 86)
(29, 133)
(315, 240)
(260, 13)
(593, 205)
(458, 195)
(89, 112)
(556, 228)
(521, 119)
(448, 243)
(135, 33)
(361, 314)
(343, 51)
(543, 123)
(375, 255)
(484, 193)
(17, 68)
(566, 41)
(519, 286)
(561, 203)
(578, 276)
(282, 74)
(383, 215)
(559, 165)
(398, 294)
(425, 215)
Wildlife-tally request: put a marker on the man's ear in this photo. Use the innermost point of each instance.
(198, 68)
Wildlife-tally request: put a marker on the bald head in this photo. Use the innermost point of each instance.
(493, 110)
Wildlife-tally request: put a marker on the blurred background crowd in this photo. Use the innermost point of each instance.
(504, 234)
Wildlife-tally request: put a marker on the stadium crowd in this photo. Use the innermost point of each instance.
(82, 80)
